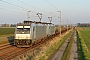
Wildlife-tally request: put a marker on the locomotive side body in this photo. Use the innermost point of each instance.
(39, 32)
(52, 29)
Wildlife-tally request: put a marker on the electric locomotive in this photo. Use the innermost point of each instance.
(29, 32)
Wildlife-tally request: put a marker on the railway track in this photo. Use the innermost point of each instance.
(8, 51)
(4, 46)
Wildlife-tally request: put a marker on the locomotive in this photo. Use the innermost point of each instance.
(29, 32)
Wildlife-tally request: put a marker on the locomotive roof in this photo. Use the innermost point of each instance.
(28, 22)
(22, 24)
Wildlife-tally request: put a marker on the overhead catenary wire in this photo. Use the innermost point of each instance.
(5, 7)
(20, 6)
(52, 5)
(14, 5)
(34, 7)
(53, 14)
(23, 8)
(12, 11)
(29, 5)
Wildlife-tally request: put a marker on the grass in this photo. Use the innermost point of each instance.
(85, 34)
(6, 31)
(84, 44)
(80, 49)
(6, 39)
(6, 35)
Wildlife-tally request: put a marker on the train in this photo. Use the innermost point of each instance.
(29, 32)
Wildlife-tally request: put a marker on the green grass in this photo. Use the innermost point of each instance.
(85, 34)
(84, 44)
(5, 31)
(80, 49)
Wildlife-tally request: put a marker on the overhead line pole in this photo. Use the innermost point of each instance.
(70, 25)
(67, 24)
(60, 22)
(28, 15)
(50, 19)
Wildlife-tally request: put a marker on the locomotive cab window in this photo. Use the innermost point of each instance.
(19, 28)
(26, 29)
(23, 29)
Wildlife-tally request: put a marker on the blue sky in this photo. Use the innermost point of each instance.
(14, 11)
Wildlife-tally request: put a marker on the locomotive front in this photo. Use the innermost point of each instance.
(22, 35)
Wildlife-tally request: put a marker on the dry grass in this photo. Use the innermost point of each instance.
(6, 39)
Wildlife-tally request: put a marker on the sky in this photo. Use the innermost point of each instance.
(15, 11)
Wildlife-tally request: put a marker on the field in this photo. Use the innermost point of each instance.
(6, 35)
(84, 43)
(86, 36)
(5, 31)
